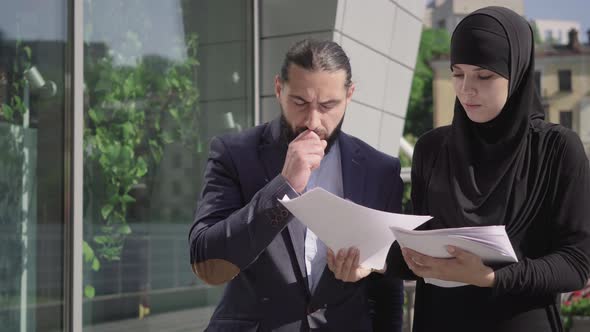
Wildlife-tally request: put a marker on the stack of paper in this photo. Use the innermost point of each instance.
(491, 243)
(342, 224)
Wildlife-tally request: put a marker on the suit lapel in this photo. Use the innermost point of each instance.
(353, 173)
(272, 154)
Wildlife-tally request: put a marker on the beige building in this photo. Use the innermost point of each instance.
(555, 31)
(562, 74)
(448, 13)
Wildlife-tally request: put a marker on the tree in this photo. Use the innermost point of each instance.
(434, 42)
(536, 33)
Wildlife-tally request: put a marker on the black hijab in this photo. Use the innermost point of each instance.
(489, 162)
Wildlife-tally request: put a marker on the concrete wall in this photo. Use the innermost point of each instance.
(381, 37)
(585, 123)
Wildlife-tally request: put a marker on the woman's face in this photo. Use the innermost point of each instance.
(482, 92)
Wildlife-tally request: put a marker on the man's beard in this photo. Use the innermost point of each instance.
(288, 134)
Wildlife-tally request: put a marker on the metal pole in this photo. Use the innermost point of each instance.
(256, 37)
(77, 169)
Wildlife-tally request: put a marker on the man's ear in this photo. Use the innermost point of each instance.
(278, 86)
(349, 93)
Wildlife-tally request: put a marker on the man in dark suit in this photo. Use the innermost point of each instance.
(274, 267)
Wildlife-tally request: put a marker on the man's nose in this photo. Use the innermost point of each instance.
(313, 118)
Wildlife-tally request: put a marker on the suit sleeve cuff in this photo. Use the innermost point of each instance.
(280, 187)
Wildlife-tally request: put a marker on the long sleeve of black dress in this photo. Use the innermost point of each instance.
(567, 267)
(427, 147)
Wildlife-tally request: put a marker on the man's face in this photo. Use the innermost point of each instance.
(314, 100)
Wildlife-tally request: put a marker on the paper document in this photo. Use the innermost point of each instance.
(340, 224)
(491, 243)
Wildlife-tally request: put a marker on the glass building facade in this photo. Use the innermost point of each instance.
(160, 78)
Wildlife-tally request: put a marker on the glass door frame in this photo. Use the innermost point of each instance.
(73, 169)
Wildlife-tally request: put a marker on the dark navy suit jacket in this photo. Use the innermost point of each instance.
(243, 236)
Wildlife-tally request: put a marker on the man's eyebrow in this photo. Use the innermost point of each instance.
(298, 97)
(330, 101)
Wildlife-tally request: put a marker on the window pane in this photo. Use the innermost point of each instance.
(162, 77)
(538, 82)
(565, 80)
(565, 119)
(32, 107)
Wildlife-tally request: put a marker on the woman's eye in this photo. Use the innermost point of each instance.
(457, 75)
(485, 77)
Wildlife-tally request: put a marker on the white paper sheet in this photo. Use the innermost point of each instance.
(340, 223)
(491, 243)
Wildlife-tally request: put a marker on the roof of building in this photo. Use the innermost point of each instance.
(572, 48)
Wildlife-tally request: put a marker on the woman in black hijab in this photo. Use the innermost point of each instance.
(498, 163)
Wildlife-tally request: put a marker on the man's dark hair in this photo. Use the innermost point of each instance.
(314, 55)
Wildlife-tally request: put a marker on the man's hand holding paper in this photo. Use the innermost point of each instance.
(362, 233)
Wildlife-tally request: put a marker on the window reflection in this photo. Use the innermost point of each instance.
(32, 108)
(161, 78)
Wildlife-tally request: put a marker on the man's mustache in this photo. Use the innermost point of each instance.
(321, 133)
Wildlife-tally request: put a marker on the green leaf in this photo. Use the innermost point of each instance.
(128, 129)
(125, 230)
(89, 291)
(96, 116)
(28, 52)
(167, 138)
(114, 199)
(7, 111)
(106, 211)
(87, 251)
(156, 151)
(18, 103)
(174, 113)
(95, 265)
(126, 154)
(128, 86)
(141, 167)
(127, 199)
(101, 239)
(174, 82)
